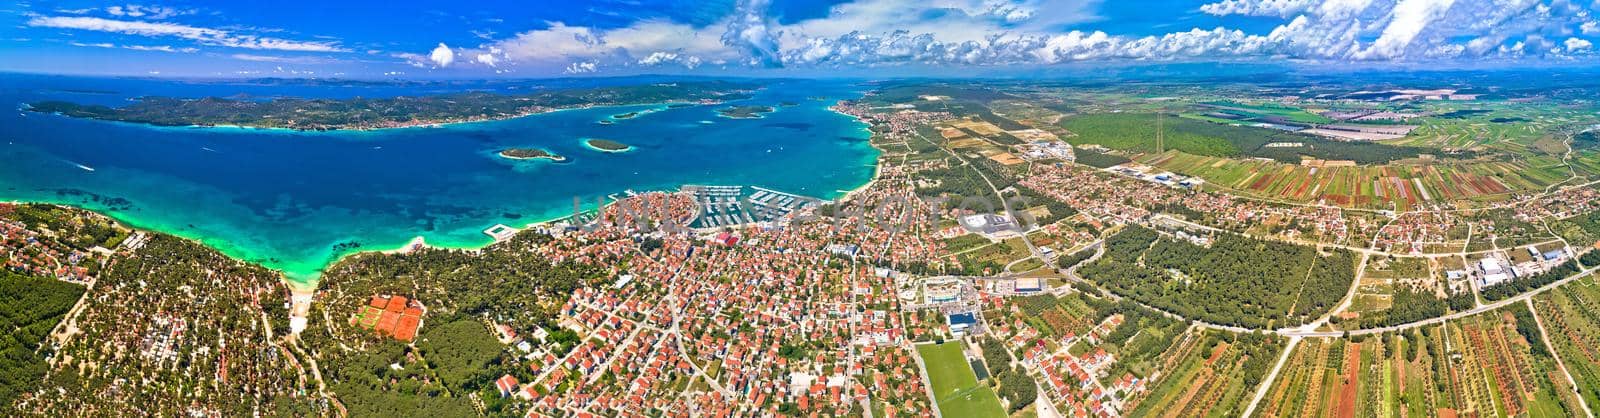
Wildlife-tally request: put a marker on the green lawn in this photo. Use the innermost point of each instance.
(955, 387)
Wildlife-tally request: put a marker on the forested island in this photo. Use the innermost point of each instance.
(606, 145)
(393, 112)
(530, 154)
(744, 112)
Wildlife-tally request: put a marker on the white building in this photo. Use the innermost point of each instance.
(1494, 272)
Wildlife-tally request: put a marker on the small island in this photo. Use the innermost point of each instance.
(745, 112)
(629, 115)
(530, 154)
(606, 145)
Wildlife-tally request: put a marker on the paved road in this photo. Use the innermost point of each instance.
(1439, 320)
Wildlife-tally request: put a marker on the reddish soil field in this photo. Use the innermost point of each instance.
(1216, 353)
(1261, 182)
(1347, 392)
(1301, 191)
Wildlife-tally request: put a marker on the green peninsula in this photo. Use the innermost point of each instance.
(393, 112)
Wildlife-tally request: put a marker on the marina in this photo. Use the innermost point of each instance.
(727, 206)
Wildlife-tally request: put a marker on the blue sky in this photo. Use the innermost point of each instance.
(472, 39)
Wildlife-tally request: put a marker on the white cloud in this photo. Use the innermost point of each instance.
(161, 48)
(581, 67)
(442, 56)
(1002, 32)
(1411, 17)
(1590, 28)
(279, 59)
(1575, 44)
(151, 12)
(660, 58)
(556, 43)
(206, 36)
(154, 48)
(486, 59)
(1279, 8)
(750, 30)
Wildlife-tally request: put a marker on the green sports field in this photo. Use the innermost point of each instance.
(955, 387)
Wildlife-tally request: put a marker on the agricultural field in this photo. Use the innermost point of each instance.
(955, 386)
(1207, 374)
(1267, 111)
(965, 242)
(1483, 365)
(1571, 315)
(1078, 343)
(1501, 125)
(992, 258)
(1056, 317)
(1395, 186)
(1331, 377)
(1136, 343)
(1384, 276)
(1506, 369)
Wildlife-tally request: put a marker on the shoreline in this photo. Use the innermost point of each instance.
(877, 161)
(586, 144)
(308, 282)
(549, 156)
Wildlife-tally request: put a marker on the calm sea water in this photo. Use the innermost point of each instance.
(287, 200)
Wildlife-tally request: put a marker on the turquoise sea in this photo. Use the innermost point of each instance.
(291, 200)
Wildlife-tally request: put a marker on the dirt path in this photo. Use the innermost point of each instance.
(1545, 337)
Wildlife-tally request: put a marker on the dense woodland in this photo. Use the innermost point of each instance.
(1237, 281)
(192, 325)
(29, 308)
(1099, 159)
(74, 228)
(1024, 198)
(1014, 384)
(455, 354)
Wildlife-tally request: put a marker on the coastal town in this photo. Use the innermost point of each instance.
(800, 209)
(991, 267)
